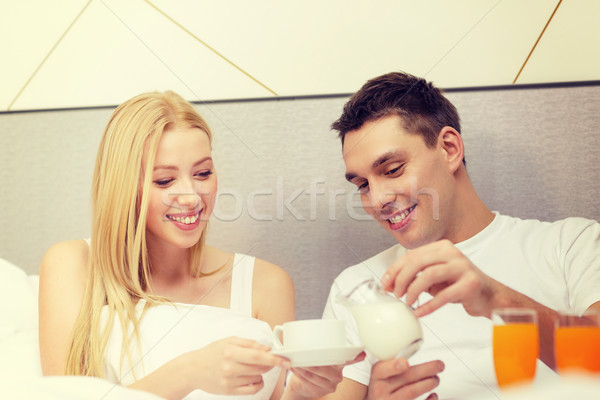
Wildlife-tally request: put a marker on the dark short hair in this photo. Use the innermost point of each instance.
(421, 106)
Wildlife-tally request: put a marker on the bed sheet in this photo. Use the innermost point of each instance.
(20, 368)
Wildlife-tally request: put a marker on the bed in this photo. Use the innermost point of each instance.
(20, 369)
(21, 376)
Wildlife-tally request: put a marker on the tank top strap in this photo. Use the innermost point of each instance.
(241, 284)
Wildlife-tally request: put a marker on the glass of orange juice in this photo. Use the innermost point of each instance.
(577, 343)
(515, 345)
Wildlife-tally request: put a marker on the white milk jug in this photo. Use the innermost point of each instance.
(387, 327)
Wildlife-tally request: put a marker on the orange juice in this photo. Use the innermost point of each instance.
(577, 347)
(516, 348)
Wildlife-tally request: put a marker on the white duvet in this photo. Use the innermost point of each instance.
(20, 370)
(21, 375)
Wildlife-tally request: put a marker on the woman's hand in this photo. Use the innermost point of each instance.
(314, 382)
(232, 366)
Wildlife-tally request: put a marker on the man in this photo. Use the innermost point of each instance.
(456, 260)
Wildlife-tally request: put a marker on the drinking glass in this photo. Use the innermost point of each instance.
(577, 343)
(515, 345)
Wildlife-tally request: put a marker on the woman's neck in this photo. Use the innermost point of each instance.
(169, 263)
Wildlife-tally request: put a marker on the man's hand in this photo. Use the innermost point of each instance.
(313, 382)
(396, 380)
(440, 269)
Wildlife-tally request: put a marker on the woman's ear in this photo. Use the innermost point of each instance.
(451, 143)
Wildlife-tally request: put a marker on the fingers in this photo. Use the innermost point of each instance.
(400, 275)
(253, 355)
(408, 382)
(438, 268)
(418, 388)
(401, 373)
(319, 376)
(317, 381)
(388, 369)
(361, 356)
(423, 376)
(248, 382)
(243, 363)
(435, 280)
(260, 359)
(448, 295)
(248, 389)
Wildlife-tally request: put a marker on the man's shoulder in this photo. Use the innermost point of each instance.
(564, 225)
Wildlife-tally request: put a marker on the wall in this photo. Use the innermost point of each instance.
(530, 153)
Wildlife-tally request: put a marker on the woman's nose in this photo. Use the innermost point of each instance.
(187, 194)
(188, 200)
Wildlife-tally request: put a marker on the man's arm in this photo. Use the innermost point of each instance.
(440, 269)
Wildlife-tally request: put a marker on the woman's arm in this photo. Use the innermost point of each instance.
(228, 366)
(232, 366)
(63, 274)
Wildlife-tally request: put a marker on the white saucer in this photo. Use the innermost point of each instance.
(319, 357)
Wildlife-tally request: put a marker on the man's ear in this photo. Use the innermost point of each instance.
(451, 143)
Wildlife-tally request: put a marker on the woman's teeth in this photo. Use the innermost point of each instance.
(185, 220)
(400, 217)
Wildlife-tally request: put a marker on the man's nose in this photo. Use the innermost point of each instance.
(380, 196)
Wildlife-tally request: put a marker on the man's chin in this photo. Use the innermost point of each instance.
(408, 240)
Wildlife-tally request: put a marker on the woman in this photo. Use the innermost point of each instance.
(145, 302)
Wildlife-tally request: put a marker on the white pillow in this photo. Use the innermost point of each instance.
(18, 300)
(19, 347)
(67, 388)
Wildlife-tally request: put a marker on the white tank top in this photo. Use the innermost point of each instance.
(168, 331)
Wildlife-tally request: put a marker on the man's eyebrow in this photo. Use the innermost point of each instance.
(389, 155)
(386, 157)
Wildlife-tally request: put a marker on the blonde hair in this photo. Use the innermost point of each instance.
(119, 268)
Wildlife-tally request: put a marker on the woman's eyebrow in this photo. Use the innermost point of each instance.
(165, 167)
(173, 167)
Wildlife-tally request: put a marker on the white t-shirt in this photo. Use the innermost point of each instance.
(556, 264)
(167, 331)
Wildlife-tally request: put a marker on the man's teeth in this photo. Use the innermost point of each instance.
(400, 217)
(185, 220)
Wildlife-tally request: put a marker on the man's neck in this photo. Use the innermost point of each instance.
(472, 215)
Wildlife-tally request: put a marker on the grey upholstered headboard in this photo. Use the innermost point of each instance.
(530, 152)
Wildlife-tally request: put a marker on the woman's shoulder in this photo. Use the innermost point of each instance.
(265, 273)
(68, 250)
(68, 258)
(273, 293)
(271, 274)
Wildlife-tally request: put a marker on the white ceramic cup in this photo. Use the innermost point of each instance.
(309, 334)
